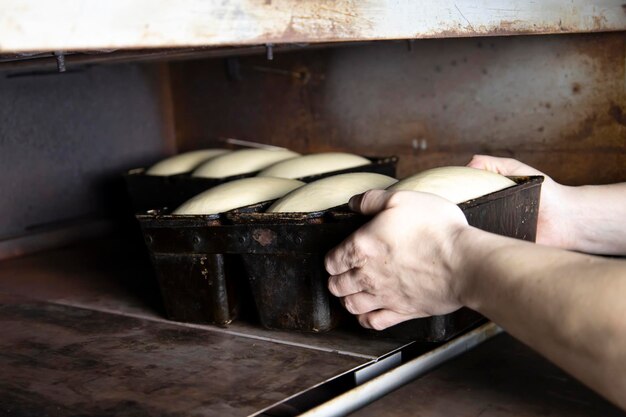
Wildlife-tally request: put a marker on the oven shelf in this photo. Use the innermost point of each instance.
(112, 277)
(80, 336)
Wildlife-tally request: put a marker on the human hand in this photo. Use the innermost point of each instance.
(400, 265)
(553, 228)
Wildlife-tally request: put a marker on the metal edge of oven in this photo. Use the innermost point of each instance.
(365, 384)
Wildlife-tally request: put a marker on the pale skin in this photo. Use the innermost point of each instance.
(418, 257)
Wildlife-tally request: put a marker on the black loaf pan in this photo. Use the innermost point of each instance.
(201, 287)
(282, 255)
(149, 192)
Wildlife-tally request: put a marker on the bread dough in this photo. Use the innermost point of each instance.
(457, 184)
(184, 162)
(243, 161)
(313, 164)
(330, 192)
(238, 193)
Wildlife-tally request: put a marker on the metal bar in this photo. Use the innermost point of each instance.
(387, 382)
(251, 144)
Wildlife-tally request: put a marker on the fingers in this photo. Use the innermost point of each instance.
(361, 303)
(503, 166)
(382, 319)
(346, 284)
(345, 257)
(352, 253)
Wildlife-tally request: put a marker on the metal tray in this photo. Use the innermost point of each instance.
(151, 192)
(281, 256)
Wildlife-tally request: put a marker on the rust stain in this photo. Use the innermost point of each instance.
(579, 123)
(346, 22)
(264, 236)
(617, 113)
(510, 24)
(599, 22)
(584, 131)
(315, 23)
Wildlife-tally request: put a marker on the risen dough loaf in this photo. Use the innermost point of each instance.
(243, 161)
(319, 163)
(239, 193)
(184, 162)
(457, 184)
(330, 192)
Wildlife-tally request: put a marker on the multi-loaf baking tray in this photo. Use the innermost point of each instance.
(205, 263)
(149, 192)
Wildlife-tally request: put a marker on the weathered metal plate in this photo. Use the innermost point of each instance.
(555, 102)
(63, 139)
(64, 361)
(109, 276)
(30, 25)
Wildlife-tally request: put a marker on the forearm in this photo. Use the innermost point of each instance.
(595, 218)
(570, 307)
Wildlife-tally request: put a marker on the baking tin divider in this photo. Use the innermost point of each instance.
(289, 248)
(149, 191)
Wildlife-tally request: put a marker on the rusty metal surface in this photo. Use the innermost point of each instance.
(64, 139)
(556, 102)
(29, 25)
(501, 378)
(64, 361)
(109, 276)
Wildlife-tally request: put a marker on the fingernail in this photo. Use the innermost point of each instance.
(355, 202)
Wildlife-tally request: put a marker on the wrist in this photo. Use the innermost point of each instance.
(593, 219)
(564, 214)
(462, 266)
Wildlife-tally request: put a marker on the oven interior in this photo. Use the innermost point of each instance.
(68, 237)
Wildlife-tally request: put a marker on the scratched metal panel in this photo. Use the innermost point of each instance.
(556, 102)
(65, 361)
(109, 275)
(65, 138)
(35, 25)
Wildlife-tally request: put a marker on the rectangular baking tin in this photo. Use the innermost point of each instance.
(282, 254)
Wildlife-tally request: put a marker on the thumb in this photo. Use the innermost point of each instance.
(371, 202)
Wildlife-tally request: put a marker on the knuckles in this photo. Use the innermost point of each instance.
(368, 282)
(350, 254)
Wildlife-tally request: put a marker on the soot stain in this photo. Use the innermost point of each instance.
(617, 114)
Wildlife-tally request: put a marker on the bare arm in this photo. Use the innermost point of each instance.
(418, 257)
(568, 306)
(589, 218)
